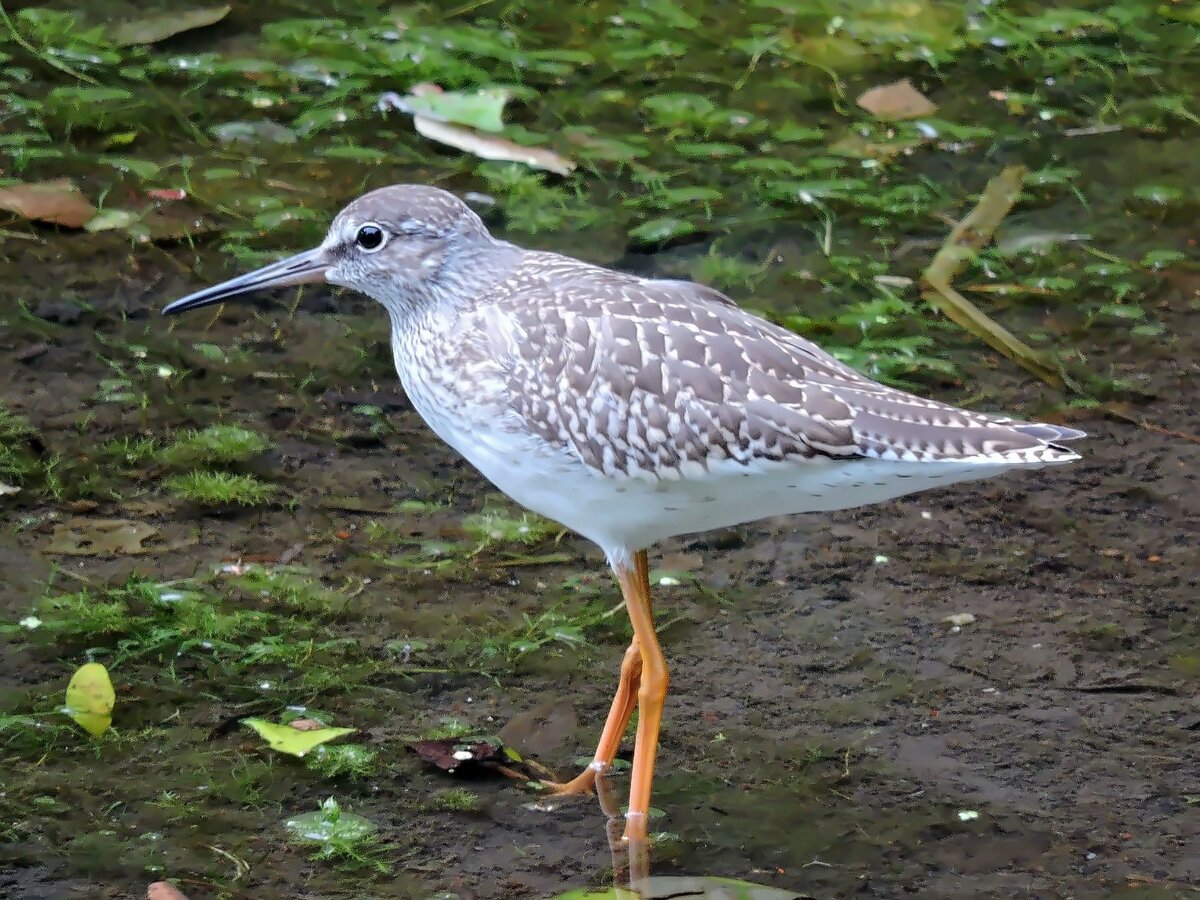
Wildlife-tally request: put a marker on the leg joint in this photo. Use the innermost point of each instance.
(653, 686)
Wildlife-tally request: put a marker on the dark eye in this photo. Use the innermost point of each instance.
(370, 237)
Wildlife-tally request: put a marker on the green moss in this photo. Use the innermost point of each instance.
(456, 799)
(220, 489)
(214, 445)
(20, 463)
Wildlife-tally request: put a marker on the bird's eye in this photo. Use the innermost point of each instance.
(370, 237)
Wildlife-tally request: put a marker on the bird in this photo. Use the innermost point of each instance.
(629, 409)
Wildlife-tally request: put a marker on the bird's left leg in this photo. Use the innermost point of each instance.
(624, 702)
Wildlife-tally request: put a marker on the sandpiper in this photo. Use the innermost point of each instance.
(630, 409)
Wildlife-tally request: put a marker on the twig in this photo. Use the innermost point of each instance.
(963, 242)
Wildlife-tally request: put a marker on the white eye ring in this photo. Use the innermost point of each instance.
(371, 237)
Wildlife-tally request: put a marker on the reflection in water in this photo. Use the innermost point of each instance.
(630, 859)
(631, 877)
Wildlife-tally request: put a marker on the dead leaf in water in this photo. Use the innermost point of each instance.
(153, 29)
(59, 202)
(895, 101)
(100, 537)
(468, 755)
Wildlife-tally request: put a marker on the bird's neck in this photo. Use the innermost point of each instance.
(458, 283)
(427, 318)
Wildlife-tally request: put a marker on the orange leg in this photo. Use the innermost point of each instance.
(623, 704)
(614, 726)
(652, 693)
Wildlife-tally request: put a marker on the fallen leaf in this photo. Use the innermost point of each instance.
(100, 537)
(480, 109)
(460, 137)
(451, 755)
(164, 890)
(487, 146)
(110, 220)
(153, 29)
(292, 740)
(90, 699)
(153, 222)
(898, 100)
(59, 202)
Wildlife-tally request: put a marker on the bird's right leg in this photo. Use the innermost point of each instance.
(623, 704)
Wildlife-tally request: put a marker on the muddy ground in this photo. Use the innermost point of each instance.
(827, 731)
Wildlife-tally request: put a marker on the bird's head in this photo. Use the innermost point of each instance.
(394, 243)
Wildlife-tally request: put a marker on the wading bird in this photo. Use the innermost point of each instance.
(631, 410)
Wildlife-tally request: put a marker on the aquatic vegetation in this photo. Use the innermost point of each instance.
(338, 835)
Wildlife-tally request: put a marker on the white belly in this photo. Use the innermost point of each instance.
(634, 513)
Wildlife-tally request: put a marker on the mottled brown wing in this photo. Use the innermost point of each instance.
(665, 378)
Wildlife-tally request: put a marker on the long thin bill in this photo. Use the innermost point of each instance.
(303, 268)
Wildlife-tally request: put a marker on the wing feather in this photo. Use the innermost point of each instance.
(660, 379)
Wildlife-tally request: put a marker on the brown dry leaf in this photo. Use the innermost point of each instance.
(164, 890)
(59, 202)
(898, 100)
(153, 29)
(100, 537)
(452, 755)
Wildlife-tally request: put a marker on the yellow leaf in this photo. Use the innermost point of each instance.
(90, 699)
(295, 741)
